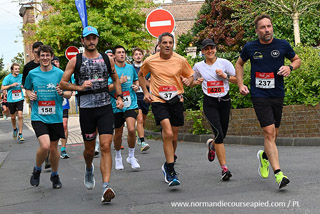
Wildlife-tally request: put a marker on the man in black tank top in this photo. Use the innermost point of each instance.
(95, 107)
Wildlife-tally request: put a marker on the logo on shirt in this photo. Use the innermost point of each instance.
(275, 53)
(51, 86)
(257, 55)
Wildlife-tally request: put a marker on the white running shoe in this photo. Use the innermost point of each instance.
(118, 164)
(134, 163)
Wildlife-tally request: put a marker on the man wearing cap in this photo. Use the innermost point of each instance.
(95, 106)
(166, 69)
(109, 53)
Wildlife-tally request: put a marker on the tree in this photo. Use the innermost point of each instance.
(20, 60)
(119, 22)
(295, 9)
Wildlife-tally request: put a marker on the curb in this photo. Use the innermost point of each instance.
(241, 140)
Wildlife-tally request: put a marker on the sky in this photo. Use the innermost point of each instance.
(10, 36)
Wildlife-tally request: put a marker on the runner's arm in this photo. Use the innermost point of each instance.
(239, 76)
(65, 80)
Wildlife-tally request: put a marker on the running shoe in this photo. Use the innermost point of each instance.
(107, 194)
(226, 175)
(15, 133)
(4, 117)
(64, 155)
(118, 163)
(139, 142)
(211, 153)
(89, 180)
(263, 165)
(56, 184)
(20, 138)
(144, 146)
(35, 177)
(122, 147)
(170, 179)
(133, 162)
(281, 179)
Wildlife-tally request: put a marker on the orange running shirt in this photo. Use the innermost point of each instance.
(166, 72)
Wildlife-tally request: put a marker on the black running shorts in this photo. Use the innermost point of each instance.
(268, 110)
(17, 106)
(120, 118)
(54, 130)
(65, 113)
(93, 118)
(163, 111)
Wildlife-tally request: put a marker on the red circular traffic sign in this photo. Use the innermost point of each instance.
(71, 52)
(159, 21)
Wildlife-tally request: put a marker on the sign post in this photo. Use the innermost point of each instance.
(71, 52)
(159, 21)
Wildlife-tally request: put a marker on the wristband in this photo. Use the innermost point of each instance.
(291, 68)
(120, 95)
(228, 76)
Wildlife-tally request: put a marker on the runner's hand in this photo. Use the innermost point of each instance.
(220, 73)
(134, 87)
(123, 79)
(59, 91)
(33, 96)
(119, 103)
(86, 84)
(284, 71)
(147, 98)
(185, 81)
(198, 81)
(243, 90)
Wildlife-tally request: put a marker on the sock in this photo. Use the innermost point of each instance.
(141, 139)
(20, 133)
(277, 171)
(54, 173)
(224, 168)
(89, 169)
(37, 168)
(264, 156)
(118, 154)
(105, 184)
(15, 129)
(131, 152)
(170, 167)
(63, 149)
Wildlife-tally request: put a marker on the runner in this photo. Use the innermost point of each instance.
(137, 56)
(46, 117)
(91, 78)
(65, 107)
(267, 55)
(4, 105)
(214, 75)
(129, 112)
(166, 69)
(15, 98)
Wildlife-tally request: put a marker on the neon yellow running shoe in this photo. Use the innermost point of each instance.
(263, 165)
(282, 180)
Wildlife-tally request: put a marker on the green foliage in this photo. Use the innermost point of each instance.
(197, 117)
(303, 84)
(119, 22)
(20, 60)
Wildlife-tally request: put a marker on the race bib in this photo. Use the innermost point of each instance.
(46, 107)
(126, 99)
(265, 80)
(167, 92)
(215, 87)
(16, 94)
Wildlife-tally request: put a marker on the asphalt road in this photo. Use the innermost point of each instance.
(144, 190)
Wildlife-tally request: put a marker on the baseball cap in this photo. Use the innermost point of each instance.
(89, 30)
(207, 42)
(108, 51)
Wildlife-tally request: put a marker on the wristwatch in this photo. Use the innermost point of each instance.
(228, 76)
(120, 95)
(291, 68)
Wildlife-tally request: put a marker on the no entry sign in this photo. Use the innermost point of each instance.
(159, 21)
(71, 52)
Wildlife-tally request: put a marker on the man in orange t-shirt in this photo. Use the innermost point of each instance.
(167, 70)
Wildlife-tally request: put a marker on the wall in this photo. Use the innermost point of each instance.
(297, 121)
